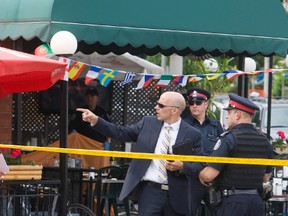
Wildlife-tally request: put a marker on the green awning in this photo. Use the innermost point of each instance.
(189, 26)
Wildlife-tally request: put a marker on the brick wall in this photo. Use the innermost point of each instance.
(6, 108)
(6, 119)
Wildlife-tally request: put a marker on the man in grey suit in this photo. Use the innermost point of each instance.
(156, 196)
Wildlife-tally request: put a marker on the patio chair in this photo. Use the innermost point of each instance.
(108, 193)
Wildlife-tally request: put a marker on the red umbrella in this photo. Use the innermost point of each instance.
(22, 72)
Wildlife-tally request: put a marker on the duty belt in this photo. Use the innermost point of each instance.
(232, 192)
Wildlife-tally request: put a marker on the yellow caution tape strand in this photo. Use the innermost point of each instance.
(136, 155)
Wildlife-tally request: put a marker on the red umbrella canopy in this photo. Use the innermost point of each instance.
(22, 72)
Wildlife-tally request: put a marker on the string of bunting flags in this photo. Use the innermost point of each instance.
(106, 75)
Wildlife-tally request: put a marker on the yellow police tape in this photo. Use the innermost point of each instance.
(136, 155)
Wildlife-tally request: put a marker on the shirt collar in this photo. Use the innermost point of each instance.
(175, 126)
(207, 119)
(244, 125)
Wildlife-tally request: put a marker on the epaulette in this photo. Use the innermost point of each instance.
(225, 133)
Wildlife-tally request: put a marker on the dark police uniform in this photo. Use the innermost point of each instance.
(210, 129)
(240, 184)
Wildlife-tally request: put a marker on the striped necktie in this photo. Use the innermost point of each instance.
(165, 145)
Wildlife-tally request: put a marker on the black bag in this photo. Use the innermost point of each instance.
(183, 148)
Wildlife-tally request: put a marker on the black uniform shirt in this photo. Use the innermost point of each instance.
(210, 129)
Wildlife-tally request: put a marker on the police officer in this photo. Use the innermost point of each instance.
(210, 129)
(239, 184)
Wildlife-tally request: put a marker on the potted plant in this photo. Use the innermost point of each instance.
(18, 169)
(280, 143)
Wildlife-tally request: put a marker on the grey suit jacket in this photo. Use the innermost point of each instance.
(145, 133)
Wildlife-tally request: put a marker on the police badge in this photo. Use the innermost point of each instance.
(217, 145)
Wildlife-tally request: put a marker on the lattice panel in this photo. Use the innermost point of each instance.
(141, 102)
(117, 103)
(53, 125)
(14, 141)
(32, 120)
(45, 128)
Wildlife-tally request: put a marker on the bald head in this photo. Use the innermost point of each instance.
(175, 99)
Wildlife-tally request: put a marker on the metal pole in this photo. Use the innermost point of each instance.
(18, 45)
(269, 98)
(63, 144)
(246, 86)
(240, 78)
(68, 45)
(246, 81)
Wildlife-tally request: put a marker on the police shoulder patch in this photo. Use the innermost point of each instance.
(224, 133)
(217, 145)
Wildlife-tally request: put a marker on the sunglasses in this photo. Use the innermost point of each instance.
(161, 106)
(197, 102)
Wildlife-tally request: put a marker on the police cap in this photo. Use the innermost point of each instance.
(92, 91)
(198, 93)
(241, 103)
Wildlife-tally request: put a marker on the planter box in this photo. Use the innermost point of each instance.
(23, 172)
(281, 151)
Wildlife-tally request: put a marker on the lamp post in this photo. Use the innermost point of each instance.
(63, 43)
(268, 63)
(249, 66)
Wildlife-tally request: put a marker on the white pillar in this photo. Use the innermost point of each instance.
(164, 62)
(176, 64)
(266, 75)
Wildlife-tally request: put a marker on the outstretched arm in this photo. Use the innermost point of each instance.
(88, 116)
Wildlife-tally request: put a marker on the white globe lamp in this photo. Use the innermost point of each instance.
(249, 65)
(211, 65)
(63, 43)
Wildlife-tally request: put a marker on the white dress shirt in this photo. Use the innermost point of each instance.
(151, 173)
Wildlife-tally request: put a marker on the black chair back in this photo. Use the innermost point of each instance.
(109, 192)
(110, 172)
